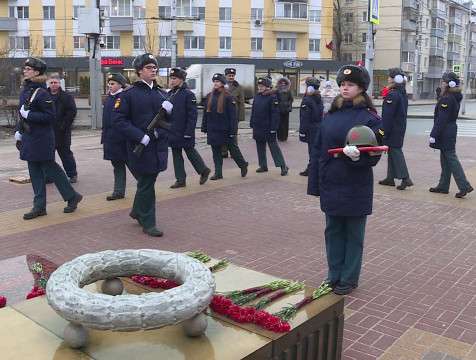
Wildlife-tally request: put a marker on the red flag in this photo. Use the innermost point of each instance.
(330, 46)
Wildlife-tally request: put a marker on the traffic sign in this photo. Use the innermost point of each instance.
(457, 69)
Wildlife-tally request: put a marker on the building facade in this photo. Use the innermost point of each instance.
(424, 37)
(280, 37)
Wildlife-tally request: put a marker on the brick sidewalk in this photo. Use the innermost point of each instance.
(417, 295)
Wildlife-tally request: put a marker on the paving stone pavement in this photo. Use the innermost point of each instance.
(417, 295)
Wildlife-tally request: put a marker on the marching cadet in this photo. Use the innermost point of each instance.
(443, 137)
(394, 120)
(113, 141)
(220, 122)
(345, 183)
(310, 116)
(37, 140)
(238, 92)
(182, 132)
(265, 123)
(133, 111)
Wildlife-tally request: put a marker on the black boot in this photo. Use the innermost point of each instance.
(178, 184)
(262, 169)
(35, 212)
(439, 190)
(244, 170)
(387, 181)
(464, 192)
(114, 196)
(153, 231)
(305, 172)
(216, 176)
(204, 176)
(134, 215)
(284, 170)
(405, 183)
(73, 203)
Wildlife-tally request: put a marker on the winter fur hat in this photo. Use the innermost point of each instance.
(37, 64)
(451, 78)
(266, 81)
(220, 77)
(312, 81)
(179, 73)
(142, 60)
(117, 78)
(230, 71)
(397, 74)
(353, 73)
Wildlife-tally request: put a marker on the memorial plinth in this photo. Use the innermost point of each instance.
(31, 329)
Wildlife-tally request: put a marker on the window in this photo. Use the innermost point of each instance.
(454, 47)
(347, 57)
(121, 7)
(225, 14)
(225, 43)
(49, 42)
(164, 12)
(76, 10)
(408, 57)
(256, 14)
(362, 57)
(256, 44)
(139, 12)
(427, 23)
(290, 10)
(112, 42)
(19, 42)
(165, 42)
(425, 62)
(315, 16)
(314, 45)
(436, 42)
(23, 12)
(139, 42)
(364, 16)
(199, 12)
(48, 12)
(105, 11)
(349, 1)
(349, 18)
(194, 42)
(11, 11)
(79, 42)
(285, 44)
(437, 23)
(348, 38)
(364, 37)
(426, 43)
(184, 8)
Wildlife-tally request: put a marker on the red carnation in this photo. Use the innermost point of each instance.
(3, 301)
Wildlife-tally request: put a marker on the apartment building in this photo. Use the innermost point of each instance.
(280, 37)
(423, 37)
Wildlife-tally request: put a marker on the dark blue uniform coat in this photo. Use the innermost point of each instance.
(65, 114)
(446, 112)
(184, 117)
(394, 116)
(265, 116)
(114, 141)
(133, 111)
(39, 143)
(310, 117)
(345, 186)
(219, 127)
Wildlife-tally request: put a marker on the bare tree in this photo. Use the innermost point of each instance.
(344, 26)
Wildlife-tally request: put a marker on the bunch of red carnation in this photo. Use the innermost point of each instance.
(3, 301)
(155, 283)
(36, 291)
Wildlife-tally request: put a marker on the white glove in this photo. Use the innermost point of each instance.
(156, 134)
(18, 135)
(24, 113)
(352, 152)
(232, 136)
(302, 135)
(432, 140)
(187, 136)
(168, 106)
(145, 140)
(273, 132)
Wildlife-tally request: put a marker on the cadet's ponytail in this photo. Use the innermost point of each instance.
(219, 103)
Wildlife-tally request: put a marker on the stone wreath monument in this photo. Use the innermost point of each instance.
(112, 311)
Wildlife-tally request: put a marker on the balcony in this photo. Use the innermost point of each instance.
(122, 23)
(409, 25)
(408, 67)
(436, 52)
(8, 24)
(435, 72)
(452, 56)
(408, 46)
(455, 20)
(438, 13)
(291, 25)
(184, 25)
(454, 38)
(410, 4)
(437, 33)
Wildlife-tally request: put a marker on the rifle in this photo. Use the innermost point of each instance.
(157, 121)
(23, 126)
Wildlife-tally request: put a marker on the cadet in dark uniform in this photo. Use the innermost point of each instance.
(310, 116)
(394, 120)
(265, 123)
(182, 133)
(345, 183)
(113, 141)
(236, 90)
(133, 111)
(443, 137)
(220, 122)
(37, 140)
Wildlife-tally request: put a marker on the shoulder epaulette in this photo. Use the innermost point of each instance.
(128, 88)
(377, 116)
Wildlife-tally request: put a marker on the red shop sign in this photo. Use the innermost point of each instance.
(109, 62)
